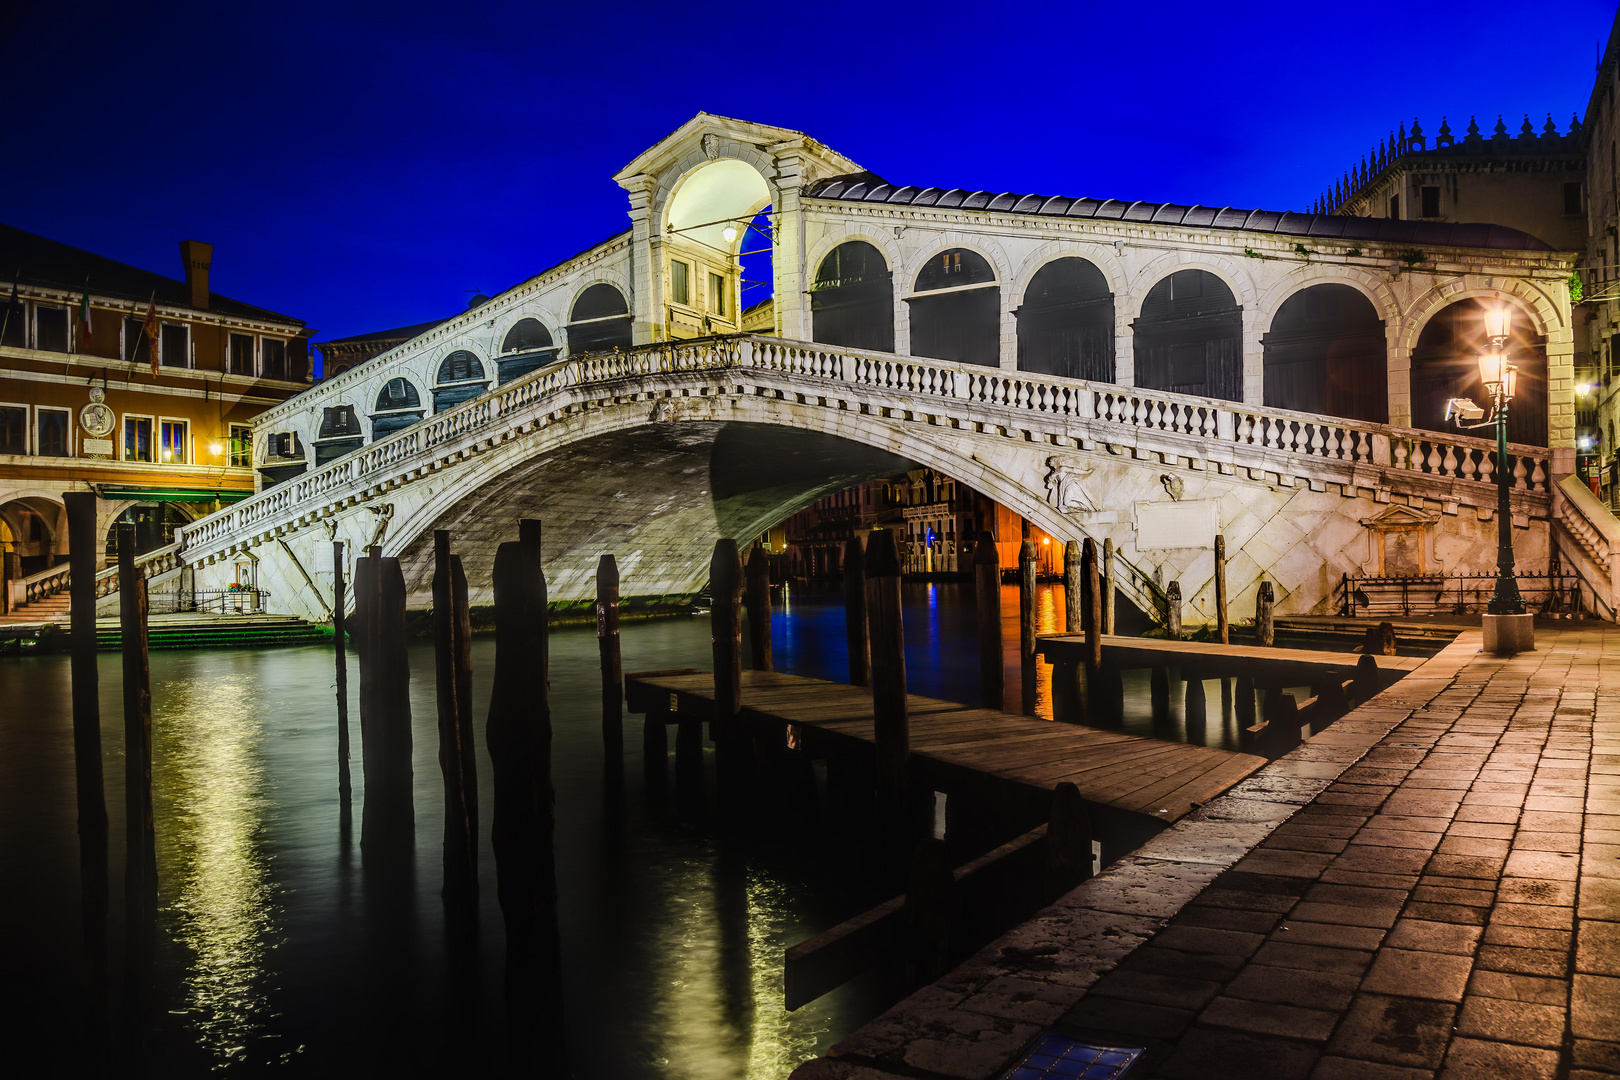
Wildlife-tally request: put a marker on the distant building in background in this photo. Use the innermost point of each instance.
(1596, 415)
(341, 354)
(82, 410)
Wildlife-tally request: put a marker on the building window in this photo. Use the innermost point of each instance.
(15, 331)
(1572, 198)
(241, 446)
(52, 427)
(1394, 206)
(717, 294)
(50, 329)
(240, 359)
(339, 422)
(137, 438)
(137, 349)
(680, 283)
(13, 429)
(173, 437)
(174, 345)
(273, 354)
(1431, 201)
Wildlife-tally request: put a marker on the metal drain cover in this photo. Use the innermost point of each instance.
(1058, 1057)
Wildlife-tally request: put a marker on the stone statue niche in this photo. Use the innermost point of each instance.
(1401, 544)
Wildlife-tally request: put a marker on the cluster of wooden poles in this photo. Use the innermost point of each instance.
(140, 866)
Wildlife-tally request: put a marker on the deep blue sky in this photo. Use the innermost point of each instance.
(369, 166)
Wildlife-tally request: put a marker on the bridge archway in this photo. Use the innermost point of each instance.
(1066, 322)
(599, 320)
(711, 220)
(1326, 353)
(956, 308)
(852, 299)
(1188, 338)
(35, 529)
(525, 345)
(1445, 365)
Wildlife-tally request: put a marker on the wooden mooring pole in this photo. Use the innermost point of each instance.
(987, 596)
(1265, 630)
(140, 873)
(1027, 585)
(890, 716)
(83, 544)
(607, 648)
(1221, 625)
(860, 662)
(1074, 618)
(388, 817)
(519, 738)
(757, 596)
(1068, 841)
(1172, 611)
(451, 630)
(341, 647)
(1108, 586)
(731, 746)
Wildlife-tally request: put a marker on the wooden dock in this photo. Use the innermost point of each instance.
(1213, 661)
(958, 748)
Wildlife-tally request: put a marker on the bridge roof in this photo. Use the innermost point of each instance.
(866, 188)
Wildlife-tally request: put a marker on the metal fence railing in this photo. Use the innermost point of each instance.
(1555, 591)
(218, 601)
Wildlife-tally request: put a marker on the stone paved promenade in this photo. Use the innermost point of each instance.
(1446, 903)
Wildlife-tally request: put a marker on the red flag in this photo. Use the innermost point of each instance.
(150, 329)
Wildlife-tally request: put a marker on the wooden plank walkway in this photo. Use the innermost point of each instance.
(1218, 661)
(957, 746)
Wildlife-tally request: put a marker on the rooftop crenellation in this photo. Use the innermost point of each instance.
(1403, 144)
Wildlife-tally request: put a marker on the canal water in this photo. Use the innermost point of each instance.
(277, 953)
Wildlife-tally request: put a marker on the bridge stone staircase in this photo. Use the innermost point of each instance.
(43, 597)
(1014, 435)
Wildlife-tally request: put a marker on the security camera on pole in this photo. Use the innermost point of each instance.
(1508, 627)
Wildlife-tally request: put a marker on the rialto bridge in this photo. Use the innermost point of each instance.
(1146, 372)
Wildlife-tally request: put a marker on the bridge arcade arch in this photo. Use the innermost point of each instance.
(1189, 337)
(1326, 353)
(852, 298)
(956, 308)
(1066, 321)
(1445, 365)
(599, 319)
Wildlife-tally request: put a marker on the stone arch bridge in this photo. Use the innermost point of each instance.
(1142, 371)
(654, 452)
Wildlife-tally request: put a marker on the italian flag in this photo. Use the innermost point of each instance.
(84, 320)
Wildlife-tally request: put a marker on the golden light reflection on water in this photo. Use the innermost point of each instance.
(217, 899)
(721, 995)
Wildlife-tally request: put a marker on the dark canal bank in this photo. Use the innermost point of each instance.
(278, 954)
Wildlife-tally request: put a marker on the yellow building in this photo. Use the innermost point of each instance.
(83, 406)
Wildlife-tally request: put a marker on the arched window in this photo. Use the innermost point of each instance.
(600, 320)
(1445, 365)
(1188, 339)
(1066, 323)
(1325, 354)
(339, 433)
(461, 378)
(963, 324)
(526, 334)
(283, 458)
(527, 346)
(852, 300)
(398, 406)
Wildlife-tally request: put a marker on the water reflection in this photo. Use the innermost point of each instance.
(218, 902)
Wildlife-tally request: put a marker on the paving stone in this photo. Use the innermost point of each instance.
(1599, 899)
(1302, 864)
(1128, 1019)
(1512, 1021)
(1441, 976)
(1466, 866)
(1299, 932)
(1498, 814)
(1596, 1054)
(1270, 1018)
(1401, 838)
(1527, 937)
(1555, 918)
(1253, 922)
(1346, 914)
(1476, 1059)
(1546, 962)
(1594, 1007)
(1162, 961)
(1531, 988)
(1023, 1000)
(1548, 841)
(1450, 894)
(1394, 1030)
(1354, 895)
(1313, 958)
(1403, 882)
(1551, 865)
(1290, 986)
(1547, 821)
(1426, 936)
(1202, 939)
(1531, 891)
(1338, 1068)
(1597, 947)
(1215, 1054)
(1156, 989)
(1457, 913)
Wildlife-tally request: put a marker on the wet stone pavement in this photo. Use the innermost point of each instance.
(1429, 888)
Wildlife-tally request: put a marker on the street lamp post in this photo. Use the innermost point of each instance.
(1501, 378)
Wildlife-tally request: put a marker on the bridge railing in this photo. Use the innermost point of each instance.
(57, 579)
(1222, 426)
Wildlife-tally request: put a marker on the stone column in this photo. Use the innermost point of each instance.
(787, 261)
(1561, 391)
(1124, 341)
(1399, 374)
(646, 261)
(1254, 355)
(1009, 329)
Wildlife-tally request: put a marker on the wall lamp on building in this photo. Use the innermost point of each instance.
(1501, 379)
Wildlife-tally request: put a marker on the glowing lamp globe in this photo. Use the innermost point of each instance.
(1498, 323)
